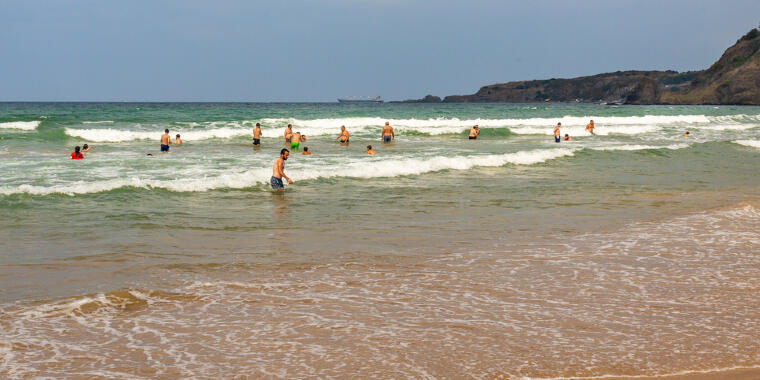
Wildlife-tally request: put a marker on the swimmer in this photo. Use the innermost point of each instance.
(686, 134)
(556, 133)
(295, 141)
(257, 134)
(369, 150)
(306, 151)
(343, 138)
(567, 137)
(278, 171)
(77, 155)
(590, 128)
(165, 141)
(387, 134)
(177, 140)
(288, 133)
(85, 148)
(474, 132)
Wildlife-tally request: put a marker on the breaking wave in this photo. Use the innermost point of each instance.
(23, 125)
(373, 168)
(751, 143)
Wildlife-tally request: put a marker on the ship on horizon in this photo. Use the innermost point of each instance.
(367, 99)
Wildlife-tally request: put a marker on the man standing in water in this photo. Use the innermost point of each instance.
(257, 134)
(474, 132)
(288, 133)
(295, 141)
(557, 136)
(387, 135)
(165, 141)
(343, 138)
(278, 171)
(590, 127)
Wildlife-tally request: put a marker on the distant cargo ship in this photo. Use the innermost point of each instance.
(375, 99)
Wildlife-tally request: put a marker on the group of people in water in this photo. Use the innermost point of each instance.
(294, 140)
(558, 136)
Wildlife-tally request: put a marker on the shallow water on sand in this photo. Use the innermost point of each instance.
(633, 252)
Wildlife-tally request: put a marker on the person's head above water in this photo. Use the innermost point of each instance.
(85, 146)
(177, 135)
(258, 124)
(284, 153)
(290, 126)
(166, 130)
(77, 148)
(369, 147)
(342, 127)
(305, 149)
(387, 123)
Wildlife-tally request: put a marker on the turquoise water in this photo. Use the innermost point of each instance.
(76, 230)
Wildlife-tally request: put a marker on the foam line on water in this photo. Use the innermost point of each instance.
(750, 143)
(272, 127)
(641, 147)
(23, 125)
(117, 135)
(370, 168)
(606, 125)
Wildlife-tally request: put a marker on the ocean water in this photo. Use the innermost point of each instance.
(632, 252)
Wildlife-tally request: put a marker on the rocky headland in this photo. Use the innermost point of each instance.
(733, 79)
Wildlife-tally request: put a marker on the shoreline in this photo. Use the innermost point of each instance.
(746, 373)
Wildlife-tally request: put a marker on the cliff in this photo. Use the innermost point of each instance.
(733, 79)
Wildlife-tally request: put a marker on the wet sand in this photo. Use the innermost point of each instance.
(736, 374)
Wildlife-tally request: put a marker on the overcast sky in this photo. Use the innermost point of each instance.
(317, 50)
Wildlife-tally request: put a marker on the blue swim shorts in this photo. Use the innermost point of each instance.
(276, 183)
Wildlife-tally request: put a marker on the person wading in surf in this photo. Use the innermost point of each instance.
(474, 132)
(590, 127)
(288, 133)
(165, 141)
(257, 134)
(278, 171)
(343, 138)
(387, 134)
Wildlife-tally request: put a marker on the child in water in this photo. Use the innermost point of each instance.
(77, 155)
(306, 151)
(177, 140)
(85, 148)
(369, 150)
(567, 137)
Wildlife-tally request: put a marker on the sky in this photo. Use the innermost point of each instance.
(318, 50)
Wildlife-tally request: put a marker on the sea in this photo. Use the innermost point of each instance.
(633, 252)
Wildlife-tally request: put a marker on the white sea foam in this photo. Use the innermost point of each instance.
(752, 143)
(99, 122)
(605, 125)
(117, 135)
(24, 125)
(602, 130)
(574, 125)
(727, 127)
(642, 147)
(367, 168)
